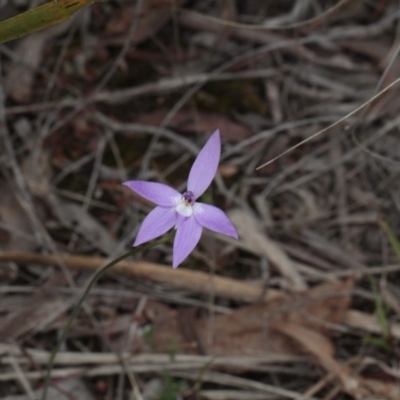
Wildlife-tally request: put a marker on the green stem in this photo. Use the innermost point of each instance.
(393, 239)
(86, 292)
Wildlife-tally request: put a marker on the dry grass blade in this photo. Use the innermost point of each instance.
(310, 23)
(74, 358)
(262, 245)
(338, 122)
(241, 383)
(234, 395)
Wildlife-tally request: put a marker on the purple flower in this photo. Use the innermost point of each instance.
(182, 211)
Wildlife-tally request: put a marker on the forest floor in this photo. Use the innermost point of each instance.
(306, 304)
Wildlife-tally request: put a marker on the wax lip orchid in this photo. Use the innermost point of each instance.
(182, 211)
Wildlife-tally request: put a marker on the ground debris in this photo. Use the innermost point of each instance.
(305, 305)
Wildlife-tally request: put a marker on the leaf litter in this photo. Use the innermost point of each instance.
(286, 312)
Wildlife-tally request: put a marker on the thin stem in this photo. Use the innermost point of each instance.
(86, 292)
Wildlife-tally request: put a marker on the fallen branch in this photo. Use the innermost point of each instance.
(194, 281)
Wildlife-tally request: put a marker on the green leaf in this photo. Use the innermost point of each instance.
(172, 388)
(378, 342)
(45, 16)
(394, 241)
(380, 309)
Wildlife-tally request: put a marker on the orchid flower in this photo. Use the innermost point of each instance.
(182, 211)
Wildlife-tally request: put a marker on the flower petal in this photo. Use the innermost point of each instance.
(180, 219)
(216, 220)
(187, 236)
(205, 166)
(158, 193)
(159, 221)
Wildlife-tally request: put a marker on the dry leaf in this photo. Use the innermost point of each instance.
(249, 330)
(322, 349)
(168, 335)
(382, 390)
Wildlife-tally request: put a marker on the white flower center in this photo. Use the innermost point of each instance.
(184, 209)
(186, 205)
